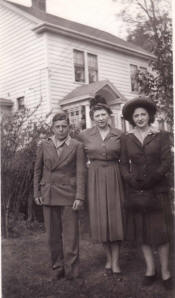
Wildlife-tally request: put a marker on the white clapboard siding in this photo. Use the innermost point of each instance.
(24, 68)
(112, 65)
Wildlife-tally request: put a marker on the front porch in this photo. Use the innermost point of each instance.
(77, 103)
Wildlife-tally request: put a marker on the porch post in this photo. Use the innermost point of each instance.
(88, 119)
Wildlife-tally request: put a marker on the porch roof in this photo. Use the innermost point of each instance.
(105, 88)
(6, 102)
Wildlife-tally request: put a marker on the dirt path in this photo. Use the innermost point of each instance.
(26, 273)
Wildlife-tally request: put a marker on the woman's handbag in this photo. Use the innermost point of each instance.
(142, 201)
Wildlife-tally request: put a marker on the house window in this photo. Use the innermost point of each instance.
(20, 101)
(133, 73)
(143, 69)
(77, 116)
(92, 68)
(79, 66)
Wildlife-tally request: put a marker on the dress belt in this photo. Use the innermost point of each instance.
(102, 163)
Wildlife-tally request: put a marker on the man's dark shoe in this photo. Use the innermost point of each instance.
(60, 274)
(56, 266)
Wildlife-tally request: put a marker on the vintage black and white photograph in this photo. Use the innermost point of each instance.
(87, 149)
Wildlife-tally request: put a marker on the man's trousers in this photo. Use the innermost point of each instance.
(62, 227)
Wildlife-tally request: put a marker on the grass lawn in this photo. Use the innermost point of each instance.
(26, 272)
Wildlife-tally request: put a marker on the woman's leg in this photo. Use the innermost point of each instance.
(149, 260)
(108, 251)
(115, 248)
(164, 259)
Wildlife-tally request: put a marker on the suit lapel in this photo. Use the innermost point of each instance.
(64, 154)
(52, 152)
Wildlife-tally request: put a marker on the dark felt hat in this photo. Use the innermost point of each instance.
(99, 102)
(138, 102)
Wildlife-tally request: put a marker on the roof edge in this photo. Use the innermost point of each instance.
(42, 27)
(20, 12)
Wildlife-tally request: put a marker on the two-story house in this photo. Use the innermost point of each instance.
(48, 62)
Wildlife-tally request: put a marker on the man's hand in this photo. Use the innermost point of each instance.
(77, 205)
(39, 201)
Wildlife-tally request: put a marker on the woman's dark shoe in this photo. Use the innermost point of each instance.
(108, 272)
(118, 275)
(60, 274)
(149, 280)
(167, 283)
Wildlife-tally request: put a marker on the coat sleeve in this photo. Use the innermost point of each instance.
(125, 164)
(80, 172)
(165, 162)
(165, 155)
(38, 169)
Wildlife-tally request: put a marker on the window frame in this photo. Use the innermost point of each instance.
(81, 67)
(92, 68)
(19, 105)
(86, 67)
(132, 77)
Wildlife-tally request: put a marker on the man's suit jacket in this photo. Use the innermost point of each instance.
(60, 180)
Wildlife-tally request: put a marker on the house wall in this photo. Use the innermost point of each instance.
(112, 65)
(40, 66)
(24, 70)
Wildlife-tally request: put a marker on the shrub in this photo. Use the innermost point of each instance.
(20, 133)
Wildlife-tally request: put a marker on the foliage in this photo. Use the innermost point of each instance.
(152, 29)
(159, 85)
(20, 133)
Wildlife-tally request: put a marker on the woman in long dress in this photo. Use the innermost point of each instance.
(145, 163)
(105, 193)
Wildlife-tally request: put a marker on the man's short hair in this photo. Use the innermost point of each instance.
(60, 116)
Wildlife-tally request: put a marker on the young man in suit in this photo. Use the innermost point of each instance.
(59, 186)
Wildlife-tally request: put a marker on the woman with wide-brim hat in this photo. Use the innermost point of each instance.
(145, 162)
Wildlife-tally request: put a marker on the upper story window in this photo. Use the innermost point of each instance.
(92, 68)
(85, 67)
(20, 101)
(79, 66)
(133, 72)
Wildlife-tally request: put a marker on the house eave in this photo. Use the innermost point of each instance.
(77, 99)
(44, 27)
(6, 102)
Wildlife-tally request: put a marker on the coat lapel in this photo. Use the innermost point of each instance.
(135, 139)
(52, 152)
(149, 139)
(67, 150)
